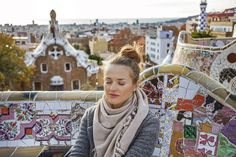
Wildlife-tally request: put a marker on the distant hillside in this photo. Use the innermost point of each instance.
(184, 19)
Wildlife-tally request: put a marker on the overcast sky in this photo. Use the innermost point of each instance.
(24, 11)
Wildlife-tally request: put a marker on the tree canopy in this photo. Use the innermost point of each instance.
(14, 73)
(97, 58)
(204, 34)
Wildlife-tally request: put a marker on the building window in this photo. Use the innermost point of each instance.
(56, 88)
(153, 55)
(168, 45)
(44, 68)
(75, 84)
(167, 35)
(153, 44)
(67, 67)
(153, 49)
(37, 86)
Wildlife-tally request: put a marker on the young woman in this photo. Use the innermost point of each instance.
(120, 125)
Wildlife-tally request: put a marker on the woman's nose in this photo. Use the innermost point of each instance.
(113, 86)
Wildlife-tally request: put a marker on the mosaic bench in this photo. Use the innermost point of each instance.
(197, 114)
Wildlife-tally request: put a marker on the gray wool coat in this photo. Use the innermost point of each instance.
(142, 145)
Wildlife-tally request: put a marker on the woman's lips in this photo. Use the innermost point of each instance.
(113, 95)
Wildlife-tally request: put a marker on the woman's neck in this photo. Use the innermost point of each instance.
(115, 106)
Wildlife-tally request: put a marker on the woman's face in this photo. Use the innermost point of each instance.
(118, 84)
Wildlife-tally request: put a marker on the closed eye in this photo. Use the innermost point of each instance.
(121, 83)
(108, 82)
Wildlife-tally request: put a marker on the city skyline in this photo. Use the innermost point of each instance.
(25, 11)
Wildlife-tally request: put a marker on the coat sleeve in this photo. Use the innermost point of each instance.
(144, 143)
(81, 147)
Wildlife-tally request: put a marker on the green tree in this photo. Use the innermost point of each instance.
(76, 46)
(97, 58)
(13, 71)
(204, 34)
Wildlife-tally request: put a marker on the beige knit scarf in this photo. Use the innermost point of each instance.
(114, 129)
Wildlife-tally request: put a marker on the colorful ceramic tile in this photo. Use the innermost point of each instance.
(169, 98)
(179, 146)
(175, 145)
(189, 143)
(216, 128)
(189, 149)
(200, 116)
(224, 115)
(202, 91)
(8, 130)
(25, 112)
(7, 112)
(229, 131)
(190, 132)
(207, 143)
(178, 127)
(225, 147)
(77, 111)
(170, 106)
(4, 110)
(187, 89)
(166, 119)
(185, 117)
(189, 105)
(194, 153)
(173, 81)
(25, 129)
(205, 127)
(154, 95)
(212, 105)
(58, 127)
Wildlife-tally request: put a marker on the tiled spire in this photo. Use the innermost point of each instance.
(202, 18)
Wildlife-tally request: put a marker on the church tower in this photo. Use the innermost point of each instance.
(202, 17)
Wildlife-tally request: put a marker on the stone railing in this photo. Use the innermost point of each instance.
(217, 62)
(208, 44)
(197, 115)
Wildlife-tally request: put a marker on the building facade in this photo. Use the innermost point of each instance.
(98, 45)
(221, 24)
(58, 66)
(120, 39)
(159, 45)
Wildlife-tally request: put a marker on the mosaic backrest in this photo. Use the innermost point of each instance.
(215, 57)
(193, 122)
(197, 115)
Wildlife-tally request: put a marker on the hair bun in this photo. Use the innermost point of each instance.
(130, 52)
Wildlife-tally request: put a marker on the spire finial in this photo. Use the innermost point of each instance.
(53, 14)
